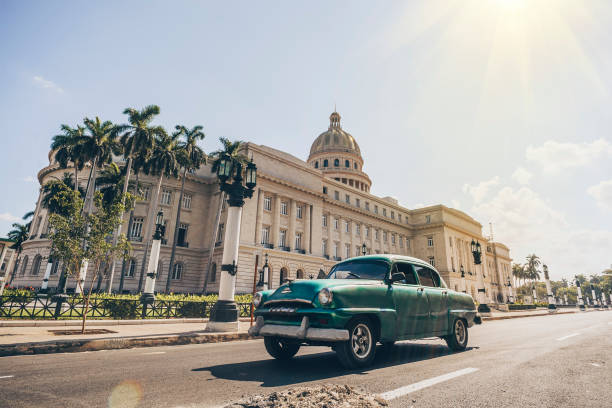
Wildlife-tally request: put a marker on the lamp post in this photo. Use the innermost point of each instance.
(463, 282)
(595, 304)
(263, 275)
(483, 308)
(45, 282)
(510, 294)
(224, 314)
(549, 294)
(580, 298)
(364, 249)
(148, 295)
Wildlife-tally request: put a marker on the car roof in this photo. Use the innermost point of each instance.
(393, 258)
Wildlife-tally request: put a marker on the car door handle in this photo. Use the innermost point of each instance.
(420, 289)
(445, 292)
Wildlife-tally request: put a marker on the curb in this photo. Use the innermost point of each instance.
(74, 346)
(101, 322)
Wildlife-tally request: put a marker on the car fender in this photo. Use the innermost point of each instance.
(386, 319)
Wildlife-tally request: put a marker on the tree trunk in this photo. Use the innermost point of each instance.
(76, 178)
(212, 241)
(125, 187)
(176, 228)
(148, 232)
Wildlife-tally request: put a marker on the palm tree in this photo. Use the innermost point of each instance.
(137, 141)
(533, 261)
(518, 272)
(68, 148)
(165, 160)
(19, 234)
(110, 182)
(192, 157)
(52, 188)
(232, 151)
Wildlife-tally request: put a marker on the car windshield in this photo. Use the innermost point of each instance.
(362, 269)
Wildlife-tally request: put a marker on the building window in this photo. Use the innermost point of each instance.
(393, 239)
(399, 217)
(265, 235)
(299, 211)
(401, 242)
(299, 274)
(392, 215)
(181, 239)
(336, 223)
(131, 269)
(213, 272)
(336, 163)
(450, 241)
(336, 195)
(282, 238)
(357, 229)
(367, 231)
(55, 267)
(177, 271)
(298, 241)
(283, 275)
(316, 165)
(325, 220)
(267, 204)
(325, 163)
(430, 241)
(357, 203)
(347, 250)
(384, 212)
(432, 261)
(220, 232)
(355, 165)
(407, 243)
(25, 265)
(36, 265)
(347, 226)
(336, 249)
(187, 201)
(166, 197)
(367, 206)
(375, 209)
(347, 199)
(283, 208)
(357, 249)
(137, 224)
(324, 190)
(376, 234)
(145, 192)
(324, 247)
(385, 236)
(427, 219)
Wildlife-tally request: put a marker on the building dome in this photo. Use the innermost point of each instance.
(335, 139)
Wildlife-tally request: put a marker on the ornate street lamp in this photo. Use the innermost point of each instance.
(549, 294)
(580, 298)
(510, 294)
(483, 308)
(364, 249)
(148, 295)
(224, 314)
(263, 275)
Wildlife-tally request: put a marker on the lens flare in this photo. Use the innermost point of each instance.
(127, 394)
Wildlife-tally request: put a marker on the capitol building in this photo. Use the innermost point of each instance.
(305, 216)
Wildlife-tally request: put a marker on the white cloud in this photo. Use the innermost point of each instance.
(602, 193)
(456, 204)
(554, 156)
(46, 84)
(481, 190)
(30, 179)
(522, 176)
(7, 217)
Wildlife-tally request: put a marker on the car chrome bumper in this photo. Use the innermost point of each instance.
(303, 331)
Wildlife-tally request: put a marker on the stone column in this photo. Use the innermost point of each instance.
(307, 244)
(371, 239)
(259, 218)
(291, 232)
(341, 236)
(330, 235)
(6, 270)
(275, 221)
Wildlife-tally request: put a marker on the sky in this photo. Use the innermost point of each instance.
(500, 108)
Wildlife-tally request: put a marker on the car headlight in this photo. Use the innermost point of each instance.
(257, 299)
(325, 296)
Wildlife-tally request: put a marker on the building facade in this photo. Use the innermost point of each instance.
(305, 215)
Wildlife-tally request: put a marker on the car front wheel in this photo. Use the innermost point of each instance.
(360, 348)
(280, 349)
(458, 339)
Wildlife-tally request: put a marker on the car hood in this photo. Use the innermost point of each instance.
(308, 289)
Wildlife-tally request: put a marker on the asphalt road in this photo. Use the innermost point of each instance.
(551, 361)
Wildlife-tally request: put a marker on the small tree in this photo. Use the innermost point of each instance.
(77, 236)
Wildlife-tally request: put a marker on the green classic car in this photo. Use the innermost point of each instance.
(363, 300)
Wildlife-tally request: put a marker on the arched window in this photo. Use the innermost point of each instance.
(299, 274)
(36, 265)
(325, 163)
(131, 269)
(213, 272)
(283, 275)
(177, 271)
(55, 267)
(336, 163)
(25, 265)
(355, 165)
(347, 164)
(316, 165)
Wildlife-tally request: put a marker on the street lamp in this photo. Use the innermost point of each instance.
(263, 275)
(580, 298)
(224, 314)
(148, 295)
(483, 308)
(510, 294)
(463, 278)
(549, 294)
(595, 304)
(364, 249)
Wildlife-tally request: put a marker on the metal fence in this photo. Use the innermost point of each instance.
(73, 307)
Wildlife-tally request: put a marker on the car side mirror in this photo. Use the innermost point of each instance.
(397, 277)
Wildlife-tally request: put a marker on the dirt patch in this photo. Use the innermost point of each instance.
(77, 332)
(320, 396)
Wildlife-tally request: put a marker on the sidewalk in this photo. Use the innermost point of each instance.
(24, 337)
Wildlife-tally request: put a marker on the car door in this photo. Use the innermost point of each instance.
(410, 303)
(437, 297)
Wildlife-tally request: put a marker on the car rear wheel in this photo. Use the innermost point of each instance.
(360, 348)
(458, 339)
(280, 349)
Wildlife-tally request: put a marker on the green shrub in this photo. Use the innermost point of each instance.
(120, 309)
(192, 309)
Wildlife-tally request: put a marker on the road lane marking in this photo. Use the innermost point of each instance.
(568, 336)
(6, 376)
(153, 352)
(399, 392)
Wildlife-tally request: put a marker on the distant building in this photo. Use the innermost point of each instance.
(305, 215)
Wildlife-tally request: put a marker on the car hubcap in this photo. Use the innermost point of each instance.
(361, 340)
(459, 331)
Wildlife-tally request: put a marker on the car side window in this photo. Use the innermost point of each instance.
(435, 278)
(424, 276)
(406, 269)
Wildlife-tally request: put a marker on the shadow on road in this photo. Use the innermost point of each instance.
(318, 366)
